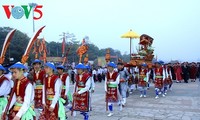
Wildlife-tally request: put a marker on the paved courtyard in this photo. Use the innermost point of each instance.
(182, 103)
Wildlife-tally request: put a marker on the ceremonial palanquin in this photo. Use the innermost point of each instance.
(145, 51)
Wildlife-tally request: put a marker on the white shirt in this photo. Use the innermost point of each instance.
(115, 83)
(92, 83)
(9, 76)
(168, 73)
(147, 75)
(28, 98)
(75, 71)
(66, 84)
(99, 71)
(154, 74)
(57, 88)
(5, 87)
(105, 70)
(130, 71)
(136, 69)
(86, 88)
(25, 74)
(94, 72)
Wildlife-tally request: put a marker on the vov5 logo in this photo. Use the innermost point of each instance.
(18, 12)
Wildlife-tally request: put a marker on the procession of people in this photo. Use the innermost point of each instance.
(50, 93)
(46, 86)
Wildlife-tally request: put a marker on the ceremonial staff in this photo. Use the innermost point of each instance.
(65, 58)
(74, 97)
(106, 99)
(2, 58)
(107, 58)
(23, 60)
(30, 44)
(43, 115)
(73, 105)
(82, 50)
(29, 47)
(45, 60)
(45, 107)
(44, 50)
(9, 100)
(6, 44)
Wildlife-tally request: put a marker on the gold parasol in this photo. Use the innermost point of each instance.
(130, 34)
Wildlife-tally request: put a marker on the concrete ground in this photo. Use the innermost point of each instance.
(182, 103)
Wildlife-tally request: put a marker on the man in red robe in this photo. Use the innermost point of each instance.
(193, 72)
(178, 72)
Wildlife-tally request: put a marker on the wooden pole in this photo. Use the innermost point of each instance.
(130, 48)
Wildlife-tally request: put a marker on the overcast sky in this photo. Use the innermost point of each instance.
(174, 24)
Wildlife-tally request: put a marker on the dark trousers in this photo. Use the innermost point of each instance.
(99, 77)
(94, 78)
(186, 78)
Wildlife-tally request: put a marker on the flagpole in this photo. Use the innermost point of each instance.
(33, 5)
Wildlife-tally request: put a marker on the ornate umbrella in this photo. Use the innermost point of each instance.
(130, 34)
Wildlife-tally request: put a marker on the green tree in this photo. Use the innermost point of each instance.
(93, 51)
